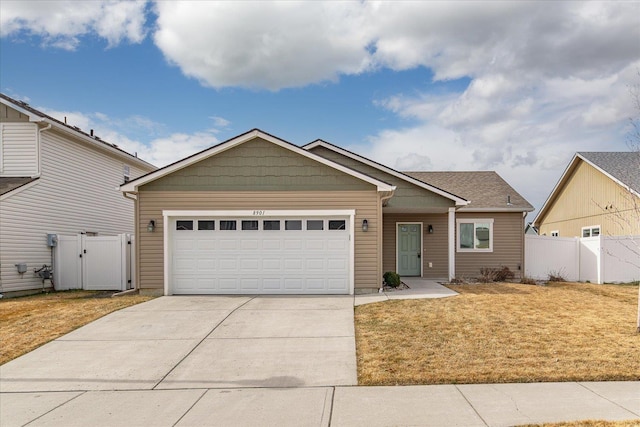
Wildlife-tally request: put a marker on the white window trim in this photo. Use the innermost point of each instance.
(591, 228)
(474, 221)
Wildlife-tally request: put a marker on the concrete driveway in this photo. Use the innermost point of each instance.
(199, 342)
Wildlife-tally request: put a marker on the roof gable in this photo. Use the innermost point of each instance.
(94, 141)
(623, 168)
(252, 135)
(458, 201)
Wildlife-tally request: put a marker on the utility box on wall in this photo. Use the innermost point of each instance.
(22, 267)
(52, 240)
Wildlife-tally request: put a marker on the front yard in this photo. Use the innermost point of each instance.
(498, 333)
(27, 323)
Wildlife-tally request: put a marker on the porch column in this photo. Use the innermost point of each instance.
(452, 243)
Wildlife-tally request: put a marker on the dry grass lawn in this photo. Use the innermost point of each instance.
(28, 322)
(498, 333)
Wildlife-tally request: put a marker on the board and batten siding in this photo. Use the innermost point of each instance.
(18, 149)
(434, 245)
(77, 191)
(152, 203)
(582, 201)
(508, 245)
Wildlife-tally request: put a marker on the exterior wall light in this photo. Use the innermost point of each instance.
(151, 227)
(430, 228)
(365, 225)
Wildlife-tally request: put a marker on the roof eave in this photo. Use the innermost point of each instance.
(459, 201)
(132, 186)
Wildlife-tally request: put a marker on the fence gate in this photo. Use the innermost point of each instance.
(94, 262)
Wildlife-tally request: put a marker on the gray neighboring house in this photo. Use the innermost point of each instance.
(55, 178)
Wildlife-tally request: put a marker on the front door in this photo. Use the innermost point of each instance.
(409, 249)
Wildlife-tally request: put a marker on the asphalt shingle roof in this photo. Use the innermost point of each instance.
(622, 165)
(10, 183)
(484, 189)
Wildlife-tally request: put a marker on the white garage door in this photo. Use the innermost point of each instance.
(265, 255)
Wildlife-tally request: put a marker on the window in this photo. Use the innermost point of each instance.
(206, 225)
(315, 224)
(591, 231)
(555, 233)
(249, 224)
(475, 235)
(337, 224)
(127, 173)
(271, 225)
(184, 225)
(293, 224)
(227, 224)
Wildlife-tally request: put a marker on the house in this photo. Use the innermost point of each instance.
(54, 178)
(598, 194)
(259, 215)
(530, 229)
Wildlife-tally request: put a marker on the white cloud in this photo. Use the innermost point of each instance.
(263, 44)
(274, 45)
(61, 23)
(164, 148)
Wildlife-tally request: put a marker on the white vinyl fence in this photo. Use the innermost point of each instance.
(601, 259)
(94, 262)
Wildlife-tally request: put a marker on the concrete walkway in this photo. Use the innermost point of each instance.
(268, 361)
(419, 288)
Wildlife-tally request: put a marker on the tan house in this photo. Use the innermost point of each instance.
(598, 194)
(258, 215)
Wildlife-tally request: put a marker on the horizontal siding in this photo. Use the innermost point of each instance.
(508, 246)
(581, 203)
(152, 203)
(434, 246)
(19, 145)
(76, 192)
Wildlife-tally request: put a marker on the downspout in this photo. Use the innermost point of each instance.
(136, 234)
(47, 127)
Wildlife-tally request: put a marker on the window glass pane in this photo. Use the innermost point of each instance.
(466, 235)
(250, 224)
(293, 224)
(595, 232)
(586, 233)
(271, 224)
(315, 224)
(184, 225)
(206, 225)
(227, 224)
(482, 236)
(335, 224)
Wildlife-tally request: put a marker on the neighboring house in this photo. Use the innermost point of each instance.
(530, 229)
(258, 215)
(598, 194)
(54, 178)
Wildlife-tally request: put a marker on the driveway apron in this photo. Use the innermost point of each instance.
(198, 342)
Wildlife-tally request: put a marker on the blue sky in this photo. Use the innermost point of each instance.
(516, 87)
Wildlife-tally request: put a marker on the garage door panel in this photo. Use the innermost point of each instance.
(260, 261)
(293, 244)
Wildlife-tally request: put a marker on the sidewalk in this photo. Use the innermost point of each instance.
(419, 288)
(435, 405)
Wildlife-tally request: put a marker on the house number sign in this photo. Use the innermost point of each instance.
(258, 213)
